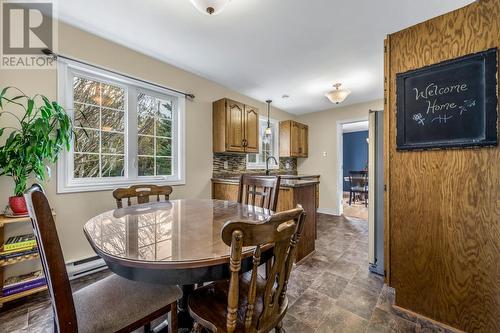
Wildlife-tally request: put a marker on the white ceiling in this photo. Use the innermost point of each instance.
(264, 48)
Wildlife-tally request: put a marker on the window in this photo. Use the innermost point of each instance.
(268, 147)
(126, 131)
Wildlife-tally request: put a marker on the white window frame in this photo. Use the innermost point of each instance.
(66, 183)
(262, 165)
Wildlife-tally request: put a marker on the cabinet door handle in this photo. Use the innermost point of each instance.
(244, 142)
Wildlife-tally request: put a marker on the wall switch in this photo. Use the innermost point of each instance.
(324, 154)
(226, 165)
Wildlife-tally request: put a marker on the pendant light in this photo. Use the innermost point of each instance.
(210, 7)
(338, 95)
(268, 131)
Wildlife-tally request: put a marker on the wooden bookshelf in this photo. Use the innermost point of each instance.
(4, 222)
(7, 220)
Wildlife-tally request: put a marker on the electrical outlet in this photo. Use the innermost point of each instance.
(324, 154)
(226, 165)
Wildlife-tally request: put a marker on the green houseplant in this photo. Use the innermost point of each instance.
(41, 130)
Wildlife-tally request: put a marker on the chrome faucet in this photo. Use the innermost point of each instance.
(267, 163)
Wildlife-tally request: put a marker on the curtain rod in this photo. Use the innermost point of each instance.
(50, 53)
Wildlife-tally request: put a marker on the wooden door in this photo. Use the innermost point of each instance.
(251, 129)
(442, 207)
(235, 126)
(294, 139)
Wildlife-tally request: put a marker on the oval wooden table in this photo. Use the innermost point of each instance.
(176, 242)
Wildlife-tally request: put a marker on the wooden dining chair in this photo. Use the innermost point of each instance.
(358, 184)
(113, 304)
(248, 302)
(141, 193)
(259, 191)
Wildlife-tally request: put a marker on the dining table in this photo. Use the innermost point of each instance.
(173, 242)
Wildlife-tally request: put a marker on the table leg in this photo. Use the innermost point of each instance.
(185, 320)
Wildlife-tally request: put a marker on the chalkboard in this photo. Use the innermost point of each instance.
(450, 104)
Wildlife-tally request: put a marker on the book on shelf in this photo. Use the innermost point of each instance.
(24, 287)
(20, 283)
(21, 249)
(17, 242)
(20, 253)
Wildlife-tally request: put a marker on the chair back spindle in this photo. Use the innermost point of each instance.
(283, 230)
(259, 191)
(141, 193)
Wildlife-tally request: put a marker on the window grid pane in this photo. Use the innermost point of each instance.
(99, 127)
(155, 136)
(266, 148)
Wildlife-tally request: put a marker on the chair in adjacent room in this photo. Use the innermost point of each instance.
(358, 185)
(113, 304)
(141, 193)
(259, 191)
(247, 302)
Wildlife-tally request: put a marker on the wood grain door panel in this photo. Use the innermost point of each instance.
(251, 129)
(443, 206)
(294, 139)
(221, 191)
(235, 126)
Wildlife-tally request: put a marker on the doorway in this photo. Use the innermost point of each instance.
(355, 169)
(363, 139)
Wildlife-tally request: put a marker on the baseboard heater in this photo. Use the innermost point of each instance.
(79, 268)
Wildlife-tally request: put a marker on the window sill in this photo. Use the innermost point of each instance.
(113, 184)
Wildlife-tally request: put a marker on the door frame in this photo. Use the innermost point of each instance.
(340, 159)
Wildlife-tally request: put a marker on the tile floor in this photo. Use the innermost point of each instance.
(332, 291)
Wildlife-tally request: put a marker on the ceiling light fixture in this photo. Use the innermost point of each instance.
(338, 95)
(210, 7)
(268, 131)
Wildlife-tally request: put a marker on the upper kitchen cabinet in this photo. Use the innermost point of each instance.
(293, 139)
(235, 127)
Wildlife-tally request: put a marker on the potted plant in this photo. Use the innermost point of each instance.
(40, 130)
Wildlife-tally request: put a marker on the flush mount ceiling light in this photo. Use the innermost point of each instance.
(338, 95)
(210, 7)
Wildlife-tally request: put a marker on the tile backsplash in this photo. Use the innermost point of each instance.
(237, 164)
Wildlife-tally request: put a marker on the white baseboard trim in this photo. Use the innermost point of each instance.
(329, 211)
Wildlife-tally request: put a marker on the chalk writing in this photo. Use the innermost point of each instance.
(442, 119)
(470, 102)
(439, 107)
(433, 90)
(419, 119)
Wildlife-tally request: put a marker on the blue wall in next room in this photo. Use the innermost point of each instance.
(355, 150)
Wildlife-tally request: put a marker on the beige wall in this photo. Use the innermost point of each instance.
(323, 139)
(74, 209)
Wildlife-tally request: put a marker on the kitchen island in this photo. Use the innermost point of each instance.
(294, 190)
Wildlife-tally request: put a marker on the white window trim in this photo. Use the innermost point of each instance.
(66, 183)
(255, 166)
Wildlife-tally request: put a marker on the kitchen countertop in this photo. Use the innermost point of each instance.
(286, 180)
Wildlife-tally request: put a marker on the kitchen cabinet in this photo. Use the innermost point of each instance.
(294, 139)
(235, 127)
